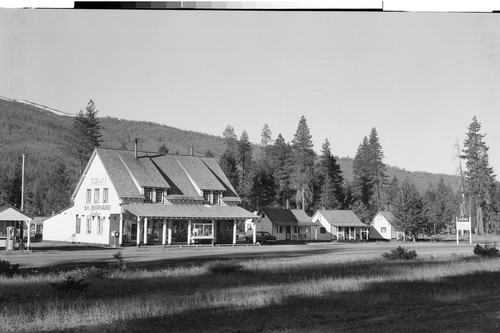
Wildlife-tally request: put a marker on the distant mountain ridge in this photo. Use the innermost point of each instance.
(39, 131)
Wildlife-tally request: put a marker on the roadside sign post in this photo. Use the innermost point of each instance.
(464, 224)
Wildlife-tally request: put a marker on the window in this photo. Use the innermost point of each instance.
(100, 222)
(105, 195)
(159, 195)
(147, 194)
(322, 230)
(96, 195)
(383, 230)
(280, 229)
(89, 225)
(78, 225)
(295, 230)
(216, 198)
(206, 197)
(89, 193)
(202, 230)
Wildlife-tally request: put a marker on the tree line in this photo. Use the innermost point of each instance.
(292, 175)
(277, 173)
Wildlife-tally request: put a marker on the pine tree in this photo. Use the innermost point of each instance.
(331, 177)
(13, 186)
(303, 157)
(479, 177)
(84, 135)
(378, 168)
(227, 161)
(163, 149)
(362, 182)
(441, 206)
(58, 194)
(244, 156)
(408, 210)
(391, 192)
(280, 163)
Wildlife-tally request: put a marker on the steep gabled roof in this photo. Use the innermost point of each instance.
(388, 216)
(11, 213)
(341, 218)
(287, 216)
(179, 174)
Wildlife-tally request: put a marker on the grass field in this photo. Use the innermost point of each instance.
(322, 293)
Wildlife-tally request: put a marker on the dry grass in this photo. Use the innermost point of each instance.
(315, 293)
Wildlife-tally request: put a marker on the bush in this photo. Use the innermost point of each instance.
(86, 273)
(7, 269)
(400, 254)
(119, 262)
(70, 284)
(224, 267)
(486, 251)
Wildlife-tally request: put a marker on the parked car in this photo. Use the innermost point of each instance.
(260, 236)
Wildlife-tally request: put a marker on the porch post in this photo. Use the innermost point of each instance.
(254, 232)
(138, 236)
(234, 231)
(164, 233)
(337, 233)
(349, 233)
(189, 232)
(169, 231)
(29, 233)
(120, 231)
(214, 230)
(145, 230)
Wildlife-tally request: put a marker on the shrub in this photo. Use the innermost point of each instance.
(486, 251)
(70, 284)
(86, 273)
(224, 267)
(119, 262)
(400, 254)
(7, 269)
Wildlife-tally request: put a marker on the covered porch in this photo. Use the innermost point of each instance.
(13, 224)
(185, 224)
(349, 232)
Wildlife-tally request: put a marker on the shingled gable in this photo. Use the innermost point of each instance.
(341, 218)
(287, 216)
(177, 173)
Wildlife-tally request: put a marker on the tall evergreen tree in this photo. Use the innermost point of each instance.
(362, 182)
(228, 161)
(303, 157)
(84, 136)
(280, 163)
(59, 189)
(408, 210)
(441, 206)
(391, 192)
(13, 187)
(332, 192)
(479, 177)
(244, 156)
(378, 168)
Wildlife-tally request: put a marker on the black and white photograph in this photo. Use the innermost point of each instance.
(249, 166)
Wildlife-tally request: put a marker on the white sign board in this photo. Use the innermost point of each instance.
(464, 224)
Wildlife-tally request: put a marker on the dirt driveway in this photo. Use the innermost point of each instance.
(158, 255)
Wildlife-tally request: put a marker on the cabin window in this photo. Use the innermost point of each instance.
(206, 197)
(105, 195)
(147, 194)
(89, 193)
(89, 225)
(216, 198)
(295, 230)
(100, 222)
(96, 195)
(383, 230)
(280, 229)
(379, 217)
(202, 230)
(159, 195)
(322, 230)
(78, 224)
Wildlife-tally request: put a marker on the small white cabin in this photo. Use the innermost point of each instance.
(382, 227)
(339, 225)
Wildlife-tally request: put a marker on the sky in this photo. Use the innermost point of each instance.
(417, 77)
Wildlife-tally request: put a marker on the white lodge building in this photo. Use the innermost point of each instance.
(149, 197)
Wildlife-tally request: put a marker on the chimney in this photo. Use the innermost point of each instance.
(192, 150)
(135, 148)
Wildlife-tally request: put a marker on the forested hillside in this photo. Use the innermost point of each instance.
(40, 134)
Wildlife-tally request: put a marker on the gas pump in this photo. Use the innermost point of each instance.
(11, 240)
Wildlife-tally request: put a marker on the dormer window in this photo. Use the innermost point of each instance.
(147, 194)
(206, 197)
(159, 195)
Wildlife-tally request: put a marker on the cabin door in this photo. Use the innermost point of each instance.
(288, 233)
